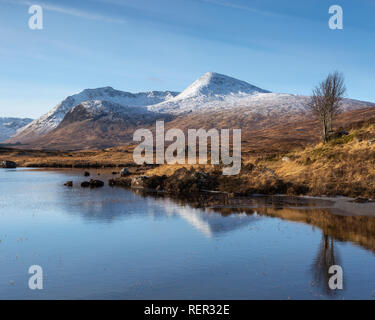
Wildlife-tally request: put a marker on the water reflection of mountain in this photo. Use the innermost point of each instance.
(335, 228)
(217, 213)
(316, 212)
(122, 204)
(208, 222)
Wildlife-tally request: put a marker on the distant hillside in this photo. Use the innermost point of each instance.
(53, 118)
(9, 126)
(97, 124)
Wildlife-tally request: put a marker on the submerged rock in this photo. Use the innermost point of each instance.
(8, 164)
(124, 172)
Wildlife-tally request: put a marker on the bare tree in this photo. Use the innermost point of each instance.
(326, 101)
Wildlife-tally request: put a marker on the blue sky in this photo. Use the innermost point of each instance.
(138, 45)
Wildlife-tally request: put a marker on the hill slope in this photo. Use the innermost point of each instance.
(9, 126)
(98, 124)
(53, 118)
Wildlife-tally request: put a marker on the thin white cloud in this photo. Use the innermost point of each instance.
(69, 11)
(229, 4)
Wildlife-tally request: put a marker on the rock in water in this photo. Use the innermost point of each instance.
(85, 184)
(124, 172)
(86, 174)
(92, 184)
(8, 164)
(68, 184)
(96, 183)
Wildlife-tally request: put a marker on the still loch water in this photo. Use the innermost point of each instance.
(111, 243)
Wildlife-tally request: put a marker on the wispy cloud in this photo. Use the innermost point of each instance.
(228, 4)
(69, 11)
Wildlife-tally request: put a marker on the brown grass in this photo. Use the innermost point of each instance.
(113, 157)
(344, 166)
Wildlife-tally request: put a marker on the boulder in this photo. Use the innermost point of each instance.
(337, 134)
(139, 182)
(120, 182)
(85, 184)
(92, 184)
(8, 164)
(124, 172)
(96, 183)
(184, 181)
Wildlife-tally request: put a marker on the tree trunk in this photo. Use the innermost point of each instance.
(324, 130)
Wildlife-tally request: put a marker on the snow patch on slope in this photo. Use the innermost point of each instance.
(9, 126)
(52, 119)
(96, 108)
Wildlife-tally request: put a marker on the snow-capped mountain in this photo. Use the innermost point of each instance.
(98, 124)
(105, 116)
(9, 126)
(215, 91)
(108, 111)
(52, 119)
(210, 90)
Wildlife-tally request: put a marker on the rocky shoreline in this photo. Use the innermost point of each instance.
(193, 181)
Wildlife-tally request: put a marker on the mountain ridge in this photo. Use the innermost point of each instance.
(49, 121)
(10, 125)
(211, 99)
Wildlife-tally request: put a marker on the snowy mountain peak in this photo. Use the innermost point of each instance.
(211, 90)
(213, 84)
(53, 118)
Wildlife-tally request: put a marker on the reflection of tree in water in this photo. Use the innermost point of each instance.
(327, 256)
